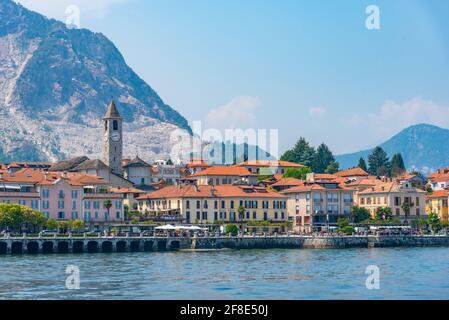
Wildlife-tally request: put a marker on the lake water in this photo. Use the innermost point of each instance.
(405, 273)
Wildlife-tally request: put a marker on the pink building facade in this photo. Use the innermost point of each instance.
(63, 196)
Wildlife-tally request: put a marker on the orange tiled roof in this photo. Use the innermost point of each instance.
(126, 190)
(439, 194)
(352, 172)
(38, 177)
(313, 186)
(224, 171)
(221, 191)
(385, 187)
(288, 182)
(198, 163)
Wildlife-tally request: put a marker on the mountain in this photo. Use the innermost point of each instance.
(55, 84)
(423, 148)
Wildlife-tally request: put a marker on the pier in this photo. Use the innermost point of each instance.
(41, 245)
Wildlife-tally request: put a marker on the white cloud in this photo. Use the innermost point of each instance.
(317, 112)
(57, 8)
(392, 116)
(239, 113)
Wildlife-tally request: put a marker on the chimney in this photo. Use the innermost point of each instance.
(212, 191)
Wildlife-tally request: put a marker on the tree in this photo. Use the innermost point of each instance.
(434, 222)
(332, 167)
(52, 224)
(232, 229)
(397, 165)
(342, 222)
(384, 213)
(362, 164)
(241, 211)
(169, 162)
(16, 217)
(323, 159)
(77, 225)
(107, 204)
(406, 207)
(301, 153)
(298, 173)
(379, 164)
(359, 214)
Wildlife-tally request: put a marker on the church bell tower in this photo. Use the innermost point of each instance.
(113, 142)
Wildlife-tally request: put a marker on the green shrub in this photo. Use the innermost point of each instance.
(348, 230)
(232, 229)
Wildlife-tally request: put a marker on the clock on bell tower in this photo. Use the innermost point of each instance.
(113, 143)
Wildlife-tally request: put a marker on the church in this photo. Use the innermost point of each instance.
(110, 168)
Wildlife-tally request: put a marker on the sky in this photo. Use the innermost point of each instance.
(307, 68)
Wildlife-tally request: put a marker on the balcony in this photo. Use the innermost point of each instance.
(10, 194)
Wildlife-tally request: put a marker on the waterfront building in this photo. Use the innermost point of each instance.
(130, 196)
(394, 195)
(317, 204)
(222, 175)
(269, 167)
(215, 204)
(437, 202)
(62, 195)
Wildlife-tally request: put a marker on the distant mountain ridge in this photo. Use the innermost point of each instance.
(55, 84)
(423, 147)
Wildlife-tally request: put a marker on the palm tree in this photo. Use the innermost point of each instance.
(107, 204)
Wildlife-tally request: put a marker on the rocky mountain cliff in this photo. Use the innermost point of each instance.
(55, 84)
(423, 148)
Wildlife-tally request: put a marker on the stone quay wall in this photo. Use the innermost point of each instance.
(147, 244)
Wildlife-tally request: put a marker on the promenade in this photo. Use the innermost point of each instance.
(86, 244)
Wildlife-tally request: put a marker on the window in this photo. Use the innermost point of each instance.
(275, 215)
(74, 215)
(215, 204)
(45, 204)
(204, 215)
(23, 202)
(74, 194)
(106, 216)
(34, 204)
(417, 201)
(265, 216)
(45, 193)
(206, 206)
(232, 204)
(254, 215)
(198, 205)
(60, 204)
(87, 216)
(397, 201)
(86, 204)
(96, 215)
(222, 204)
(118, 215)
(61, 215)
(198, 215)
(215, 216)
(188, 216)
(247, 215)
(96, 204)
(187, 204)
(115, 125)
